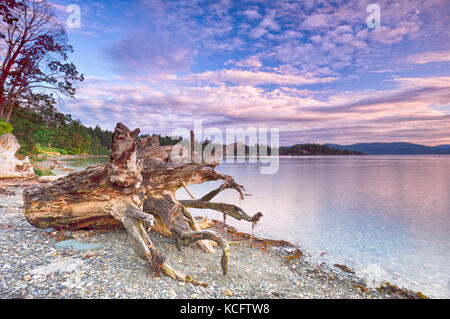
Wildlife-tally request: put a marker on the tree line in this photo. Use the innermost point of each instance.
(47, 129)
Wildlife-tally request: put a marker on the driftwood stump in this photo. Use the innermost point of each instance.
(136, 189)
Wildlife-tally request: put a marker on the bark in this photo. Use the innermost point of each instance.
(136, 189)
(94, 197)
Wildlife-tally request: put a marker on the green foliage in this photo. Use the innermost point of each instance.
(5, 127)
(44, 129)
(43, 172)
(41, 149)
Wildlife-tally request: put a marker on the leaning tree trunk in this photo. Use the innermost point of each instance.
(136, 188)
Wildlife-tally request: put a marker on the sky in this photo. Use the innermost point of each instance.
(313, 69)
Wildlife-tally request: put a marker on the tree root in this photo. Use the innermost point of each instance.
(147, 251)
(206, 245)
(180, 223)
(192, 237)
(136, 213)
(229, 183)
(228, 209)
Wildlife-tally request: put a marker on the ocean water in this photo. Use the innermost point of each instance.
(82, 162)
(387, 217)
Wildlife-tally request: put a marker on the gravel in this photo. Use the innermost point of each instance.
(32, 267)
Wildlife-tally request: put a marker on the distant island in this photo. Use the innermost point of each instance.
(293, 150)
(315, 149)
(398, 148)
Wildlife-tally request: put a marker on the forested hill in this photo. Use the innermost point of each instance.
(314, 149)
(393, 148)
(46, 130)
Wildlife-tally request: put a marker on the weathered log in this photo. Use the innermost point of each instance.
(136, 188)
(94, 197)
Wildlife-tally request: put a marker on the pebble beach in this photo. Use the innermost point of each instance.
(37, 263)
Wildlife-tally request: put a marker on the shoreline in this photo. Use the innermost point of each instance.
(292, 252)
(57, 164)
(32, 266)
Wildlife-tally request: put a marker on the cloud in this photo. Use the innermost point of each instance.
(244, 77)
(157, 52)
(58, 7)
(252, 62)
(408, 111)
(266, 25)
(163, 36)
(429, 57)
(384, 71)
(386, 35)
(252, 13)
(257, 32)
(316, 21)
(269, 23)
(312, 68)
(291, 35)
(179, 36)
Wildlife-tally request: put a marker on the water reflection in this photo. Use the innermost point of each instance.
(388, 217)
(385, 213)
(81, 163)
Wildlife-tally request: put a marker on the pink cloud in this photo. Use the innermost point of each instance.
(252, 62)
(407, 111)
(245, 77)
(429, 57)
(316, 21)
(252, 13)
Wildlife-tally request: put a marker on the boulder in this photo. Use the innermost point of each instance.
(10, 166)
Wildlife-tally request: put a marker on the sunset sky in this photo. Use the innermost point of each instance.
(313, 69)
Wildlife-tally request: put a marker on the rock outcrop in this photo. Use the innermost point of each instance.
(10, 166)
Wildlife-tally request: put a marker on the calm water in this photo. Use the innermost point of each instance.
(388, 217)
(82, 162)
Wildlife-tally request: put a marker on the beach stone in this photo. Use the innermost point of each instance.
(10, 166)
(59, 265)
(227, 292)
(275, 293)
